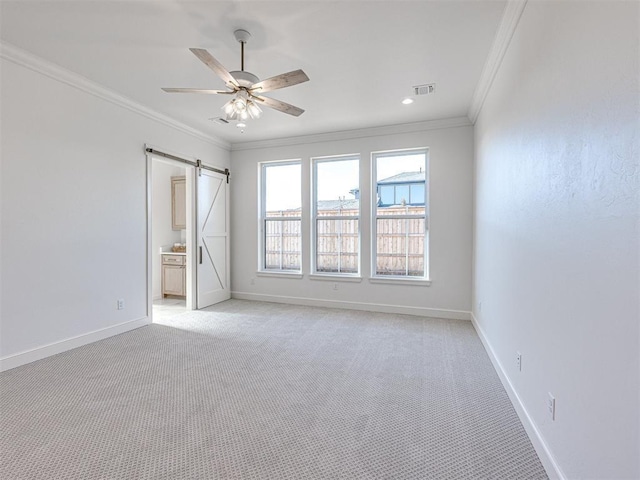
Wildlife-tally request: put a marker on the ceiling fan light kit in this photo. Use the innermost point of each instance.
(246, 87)
(241, 107)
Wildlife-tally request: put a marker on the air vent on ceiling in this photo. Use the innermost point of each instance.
(424, 89)
(220, 120)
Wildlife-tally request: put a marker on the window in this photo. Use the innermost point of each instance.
(387, 194)
(336, 215)
(402, 189)
(399, 228)
(417, 194)
(280, 218)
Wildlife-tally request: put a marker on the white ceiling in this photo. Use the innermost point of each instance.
(362, 57)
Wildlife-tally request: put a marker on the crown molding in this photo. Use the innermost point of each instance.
(37, 64)
(510, 18)
(351, 134)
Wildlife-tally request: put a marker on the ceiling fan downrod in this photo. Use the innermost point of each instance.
(242, 56)
(242, 36)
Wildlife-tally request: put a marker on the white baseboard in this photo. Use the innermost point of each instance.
(368, 307)
(22, 358)
(548, 461)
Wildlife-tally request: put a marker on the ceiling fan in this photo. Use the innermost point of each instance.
(247, 88)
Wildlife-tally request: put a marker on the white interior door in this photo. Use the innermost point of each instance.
(213, 238)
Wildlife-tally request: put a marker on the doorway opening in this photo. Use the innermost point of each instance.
(170, 209)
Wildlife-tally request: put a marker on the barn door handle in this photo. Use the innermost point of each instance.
(200, 255)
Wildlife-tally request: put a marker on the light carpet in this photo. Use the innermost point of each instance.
(251, 390)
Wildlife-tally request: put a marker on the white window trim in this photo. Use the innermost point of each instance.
(262, 220)
(279, 273)
(335, 277)
(315, 274)
(393, 279)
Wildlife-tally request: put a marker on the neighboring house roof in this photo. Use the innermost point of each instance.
(337, 204)
(404, 177)
(349, 204)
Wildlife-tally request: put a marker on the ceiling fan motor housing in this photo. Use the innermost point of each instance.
(244, 79)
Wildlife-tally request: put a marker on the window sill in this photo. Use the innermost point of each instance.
(279, 274)
(401, 281)
(329, 277)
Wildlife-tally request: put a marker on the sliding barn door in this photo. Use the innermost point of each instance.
(213, 238)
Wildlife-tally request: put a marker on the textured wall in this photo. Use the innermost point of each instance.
(73, 209)
(556, 229)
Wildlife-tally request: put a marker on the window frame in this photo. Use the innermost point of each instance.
(374, 276)
(262, 221)
(314, 218)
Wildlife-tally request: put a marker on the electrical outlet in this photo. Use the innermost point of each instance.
(551, 406)
(120, 304)
(335, 286)
(519, 361)
(253, 281)
(479, 307)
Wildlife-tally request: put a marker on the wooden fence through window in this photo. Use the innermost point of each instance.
(400, 241)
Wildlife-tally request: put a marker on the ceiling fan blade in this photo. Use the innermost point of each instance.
(280, 106)
(198, 90)
(280, 81)
(214, 65)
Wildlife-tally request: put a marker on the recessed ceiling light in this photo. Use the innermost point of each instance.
(407, 101)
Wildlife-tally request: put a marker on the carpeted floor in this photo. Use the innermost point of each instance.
(249, 390)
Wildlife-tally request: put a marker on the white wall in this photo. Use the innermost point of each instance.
(450, 163)
(162, 235)
(556, 229)
(74, 210)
